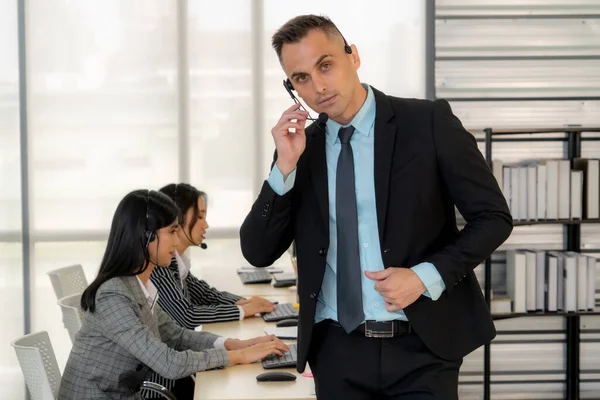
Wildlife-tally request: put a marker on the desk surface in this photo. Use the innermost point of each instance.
(228, 280)
(238, 382)
(245, 329)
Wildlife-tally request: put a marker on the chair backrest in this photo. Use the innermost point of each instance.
(39, 366)
(71, 313)
(68, 280)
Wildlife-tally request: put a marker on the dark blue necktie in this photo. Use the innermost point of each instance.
(349, 287)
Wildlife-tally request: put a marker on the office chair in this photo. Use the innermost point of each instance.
(68, 280)
(70, 308)
(40, 369)
(39, 366)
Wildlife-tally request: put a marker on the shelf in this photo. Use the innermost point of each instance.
(556, 222)
(544, 314)
(564, 129)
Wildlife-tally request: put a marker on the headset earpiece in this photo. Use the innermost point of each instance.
(288, 85)
(150, 235)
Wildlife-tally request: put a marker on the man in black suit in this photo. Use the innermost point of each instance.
(389, 303)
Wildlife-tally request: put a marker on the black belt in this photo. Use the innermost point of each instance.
(381, 329)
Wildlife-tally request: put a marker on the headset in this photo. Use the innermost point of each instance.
(201, 245)
(150, 234)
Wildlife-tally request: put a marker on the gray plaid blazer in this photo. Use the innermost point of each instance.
(122, 340)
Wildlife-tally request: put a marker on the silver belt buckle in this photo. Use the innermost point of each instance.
(378, 334)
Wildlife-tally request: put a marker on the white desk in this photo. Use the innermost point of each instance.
(227, 279)
(238, 382)
(245, 329)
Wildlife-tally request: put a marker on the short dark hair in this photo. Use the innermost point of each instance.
(298, 27)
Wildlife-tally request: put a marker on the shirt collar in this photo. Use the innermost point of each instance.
(149, 290)
(363, 120)
(183, 265)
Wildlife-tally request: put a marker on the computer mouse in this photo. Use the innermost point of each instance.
(287, 322)
(284, 283)
(276, 376)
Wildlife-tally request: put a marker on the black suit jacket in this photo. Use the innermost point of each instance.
(425, 164)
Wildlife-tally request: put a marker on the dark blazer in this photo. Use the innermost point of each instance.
(425, 164)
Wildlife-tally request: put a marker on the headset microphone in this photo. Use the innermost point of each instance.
(201, 245)
(323, 118)
(321, 121)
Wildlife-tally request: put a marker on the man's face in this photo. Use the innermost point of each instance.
(322, 73)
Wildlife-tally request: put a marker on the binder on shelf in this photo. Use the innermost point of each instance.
(591, 186)
(582, 284)
(564, 189)
(532, 213)
(591, 281)
(541, 191)
(516, 278)
(560, 280)
(570, 279)
(531, 280)
(551, 288)
(576, 194)
(552, 189)
(540, 280)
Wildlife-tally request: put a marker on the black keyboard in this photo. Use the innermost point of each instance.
(255, 277)
(287, 360)
(283, 311)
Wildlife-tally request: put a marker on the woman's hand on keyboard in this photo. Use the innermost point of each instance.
(257, 352)
(261, 339)
(237, 344)
(257, 305)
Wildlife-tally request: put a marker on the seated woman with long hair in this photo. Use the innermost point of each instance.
(188, 300)
(125, 334)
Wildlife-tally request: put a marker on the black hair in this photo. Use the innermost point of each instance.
(137, 218)
(186, 197)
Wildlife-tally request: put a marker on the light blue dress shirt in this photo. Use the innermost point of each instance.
(363, 148)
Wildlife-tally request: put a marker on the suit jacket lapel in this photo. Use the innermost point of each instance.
(385, 138)
(146, 316)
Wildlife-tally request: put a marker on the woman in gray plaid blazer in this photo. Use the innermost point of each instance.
(125, 334)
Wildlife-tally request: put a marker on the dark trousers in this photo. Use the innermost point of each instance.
(355, 367)
(182, 390)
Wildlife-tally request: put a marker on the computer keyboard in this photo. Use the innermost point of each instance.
(285, 361)
(255, 277)
(283, 311)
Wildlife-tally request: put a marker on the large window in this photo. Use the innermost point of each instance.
(222, 137)
(102, 107)
(11, 271)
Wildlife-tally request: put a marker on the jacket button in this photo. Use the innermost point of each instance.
(313, 295)
(322, 252)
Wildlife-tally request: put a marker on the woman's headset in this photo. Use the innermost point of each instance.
(150, 234)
